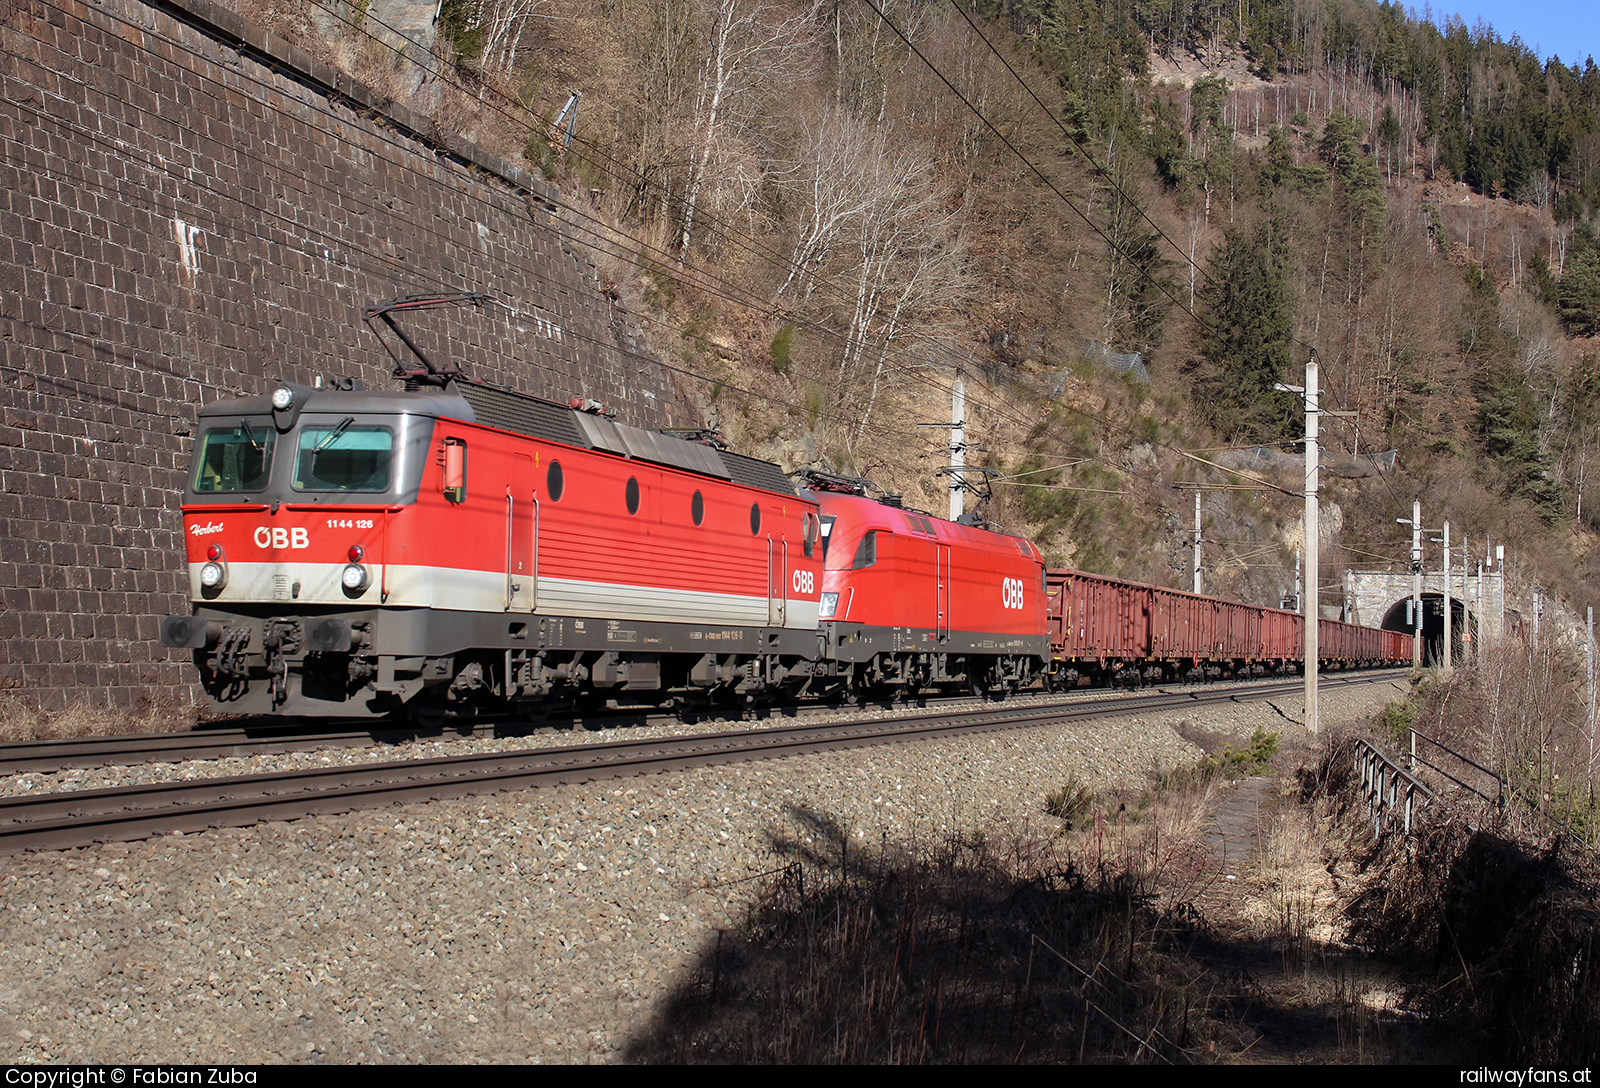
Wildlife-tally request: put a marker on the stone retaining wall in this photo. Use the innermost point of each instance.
(191, 208)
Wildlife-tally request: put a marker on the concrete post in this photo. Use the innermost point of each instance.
(1448, 661)
(958, 446)
(1416, 585)
(1197, 588)
(1312, 612)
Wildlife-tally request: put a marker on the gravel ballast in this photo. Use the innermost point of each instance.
(542, 925)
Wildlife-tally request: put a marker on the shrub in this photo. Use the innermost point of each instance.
(1070, 804)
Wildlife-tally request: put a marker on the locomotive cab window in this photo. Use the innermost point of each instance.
(343, 457)
(234, 458)
(808, 534)
(866, 551)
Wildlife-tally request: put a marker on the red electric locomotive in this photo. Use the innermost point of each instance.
(352, 553)
(911, 601)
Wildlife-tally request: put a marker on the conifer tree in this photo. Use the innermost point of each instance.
(1508, 420)
(1578, 296)
(1246, 344)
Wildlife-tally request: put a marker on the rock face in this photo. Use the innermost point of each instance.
(191, 208)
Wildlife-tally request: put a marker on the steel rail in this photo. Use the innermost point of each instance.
(80, 818)
(50, 756)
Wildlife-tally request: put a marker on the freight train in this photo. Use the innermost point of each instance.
(437, 551)
(457, 547)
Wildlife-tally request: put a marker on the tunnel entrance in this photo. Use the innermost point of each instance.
(1463, 626)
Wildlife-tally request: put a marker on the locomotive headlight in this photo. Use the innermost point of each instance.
(282, 397)
(213, 575)
(830, 605)
(354, 577)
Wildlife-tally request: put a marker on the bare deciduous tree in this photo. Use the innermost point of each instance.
(878, 215)
(748, 44)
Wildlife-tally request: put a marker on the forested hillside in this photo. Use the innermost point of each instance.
(817, 212)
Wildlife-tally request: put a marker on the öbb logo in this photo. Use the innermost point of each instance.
(804, 581)
(1011, 592)
(279, 537)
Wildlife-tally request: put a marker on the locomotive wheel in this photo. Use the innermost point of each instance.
(427, 714)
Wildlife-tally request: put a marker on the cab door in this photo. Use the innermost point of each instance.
(522, 537)
(777, 581)
(942, 575)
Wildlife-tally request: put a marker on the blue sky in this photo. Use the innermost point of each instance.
(1569, 29)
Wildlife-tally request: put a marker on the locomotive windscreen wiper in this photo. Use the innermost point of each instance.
(333, 435)
(250, 435)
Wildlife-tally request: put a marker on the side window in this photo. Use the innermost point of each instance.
(453, 458)
(826, 528)
(808, 534)
(554, 481)
(631, 495)
(866, 551)
(697, 508)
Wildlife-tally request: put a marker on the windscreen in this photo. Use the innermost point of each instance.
(343, 457)
(235, 458)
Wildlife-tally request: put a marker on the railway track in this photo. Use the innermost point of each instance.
(50, 756)
(70, 819)
(74, 753)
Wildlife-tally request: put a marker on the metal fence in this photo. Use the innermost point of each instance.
(1393, 793)
(1389, 790)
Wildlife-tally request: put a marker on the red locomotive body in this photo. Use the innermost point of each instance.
(912, 601)
(352, 552)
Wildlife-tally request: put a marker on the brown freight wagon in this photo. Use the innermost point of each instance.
(1107, 629)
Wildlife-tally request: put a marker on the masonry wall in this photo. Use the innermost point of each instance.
(192, 209)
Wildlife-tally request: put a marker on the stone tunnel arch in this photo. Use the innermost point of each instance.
(1463, 626)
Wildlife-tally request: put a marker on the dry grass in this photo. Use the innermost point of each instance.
(1293, 900)
(1494, 925)
(1071, 949)
(1501, 932)
(1519, 710)
(22, 721)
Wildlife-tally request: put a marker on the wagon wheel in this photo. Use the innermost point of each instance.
(427, 714)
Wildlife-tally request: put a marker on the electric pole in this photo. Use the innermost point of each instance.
(1197, 540)
(1448, 660)
(1313, 545)
(1416, 583)
(958, 446)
